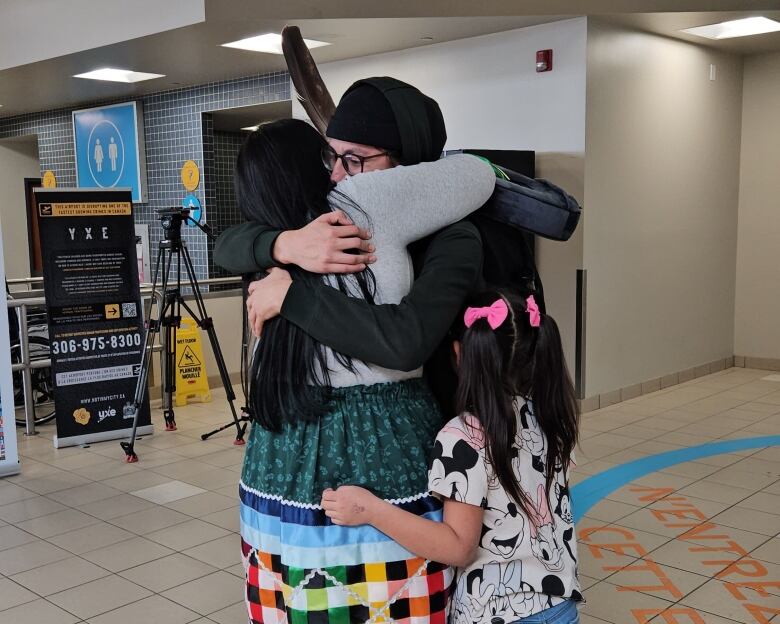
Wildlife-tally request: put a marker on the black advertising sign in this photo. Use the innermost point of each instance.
(94, 306)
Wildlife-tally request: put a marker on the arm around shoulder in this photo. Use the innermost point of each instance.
(396, 336)
(246, 248)
(453, 541)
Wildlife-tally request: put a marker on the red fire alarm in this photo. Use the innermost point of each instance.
(544, 60)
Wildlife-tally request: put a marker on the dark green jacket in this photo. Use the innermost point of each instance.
(403, 336)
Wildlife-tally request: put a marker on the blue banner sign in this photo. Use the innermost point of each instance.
(109, 142)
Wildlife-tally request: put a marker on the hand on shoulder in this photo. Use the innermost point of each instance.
(322, 246)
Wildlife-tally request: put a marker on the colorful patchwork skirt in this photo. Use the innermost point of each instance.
(301, 568)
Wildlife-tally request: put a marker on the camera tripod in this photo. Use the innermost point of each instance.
(173, 251)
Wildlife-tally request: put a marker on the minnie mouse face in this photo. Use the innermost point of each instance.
(449, 473)
(529, 438)
(472, 595)
(497, 606)
(526, 601)
(504, 533)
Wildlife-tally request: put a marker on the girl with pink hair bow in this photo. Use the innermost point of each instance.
(516, 557)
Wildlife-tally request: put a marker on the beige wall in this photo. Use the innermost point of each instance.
(226, 312)
(18, 160)
(661, 196)
(757, 318)
(558, 262)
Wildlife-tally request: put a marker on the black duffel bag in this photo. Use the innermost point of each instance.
(536, 206)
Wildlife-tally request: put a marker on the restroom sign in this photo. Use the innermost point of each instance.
(192, 204)
(109, 145)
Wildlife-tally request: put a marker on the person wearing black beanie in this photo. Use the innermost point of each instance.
(389, 114)
(380, 122)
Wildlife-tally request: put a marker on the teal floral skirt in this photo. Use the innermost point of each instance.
(378, 437)
(303, 569)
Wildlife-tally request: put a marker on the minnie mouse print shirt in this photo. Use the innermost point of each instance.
(524, 564)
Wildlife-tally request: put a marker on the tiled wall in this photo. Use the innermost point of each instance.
(174, 132)
(219, 187)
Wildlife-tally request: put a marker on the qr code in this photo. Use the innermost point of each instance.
(129, 310)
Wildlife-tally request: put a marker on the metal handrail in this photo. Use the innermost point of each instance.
(146, 287)
(26, 365)
(29, 302)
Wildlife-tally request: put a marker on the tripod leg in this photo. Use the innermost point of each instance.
(170, 320)
(240, 429)
(152, 328)
(169, 368)
(205, 322)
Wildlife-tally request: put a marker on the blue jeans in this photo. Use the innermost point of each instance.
(564, 613)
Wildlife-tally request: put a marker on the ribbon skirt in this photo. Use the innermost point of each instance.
(301, 568)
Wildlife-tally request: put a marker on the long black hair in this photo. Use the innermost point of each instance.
(516, 360)
(280, 181)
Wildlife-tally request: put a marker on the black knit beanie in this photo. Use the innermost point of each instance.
(390, 114)
(364, 116)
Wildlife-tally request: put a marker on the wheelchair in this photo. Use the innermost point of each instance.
(42, 382)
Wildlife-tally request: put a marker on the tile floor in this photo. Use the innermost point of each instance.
(85, 537)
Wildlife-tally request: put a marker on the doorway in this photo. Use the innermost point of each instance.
(20, 171)
(33, 232)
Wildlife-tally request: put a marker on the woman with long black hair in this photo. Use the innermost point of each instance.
(322, 419)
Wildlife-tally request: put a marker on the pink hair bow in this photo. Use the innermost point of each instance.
(495, 314)
(533, 311)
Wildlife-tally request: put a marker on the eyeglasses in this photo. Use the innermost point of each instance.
(353, 164)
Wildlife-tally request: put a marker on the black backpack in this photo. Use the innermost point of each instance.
(520, 208)
(535, 206)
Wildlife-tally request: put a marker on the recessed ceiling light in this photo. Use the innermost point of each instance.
(270, 43)
(118, 75)
(735, 28)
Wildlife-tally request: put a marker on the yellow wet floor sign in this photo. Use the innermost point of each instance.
(191, 379)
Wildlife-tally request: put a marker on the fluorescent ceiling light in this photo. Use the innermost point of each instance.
(250, 128)
(270, 43)
(736, 28)
(118, 75)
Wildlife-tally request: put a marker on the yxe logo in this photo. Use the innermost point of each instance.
(106, 413)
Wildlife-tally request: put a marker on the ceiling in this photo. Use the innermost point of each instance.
(317, 9)
(670, 25)
(192, 54)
